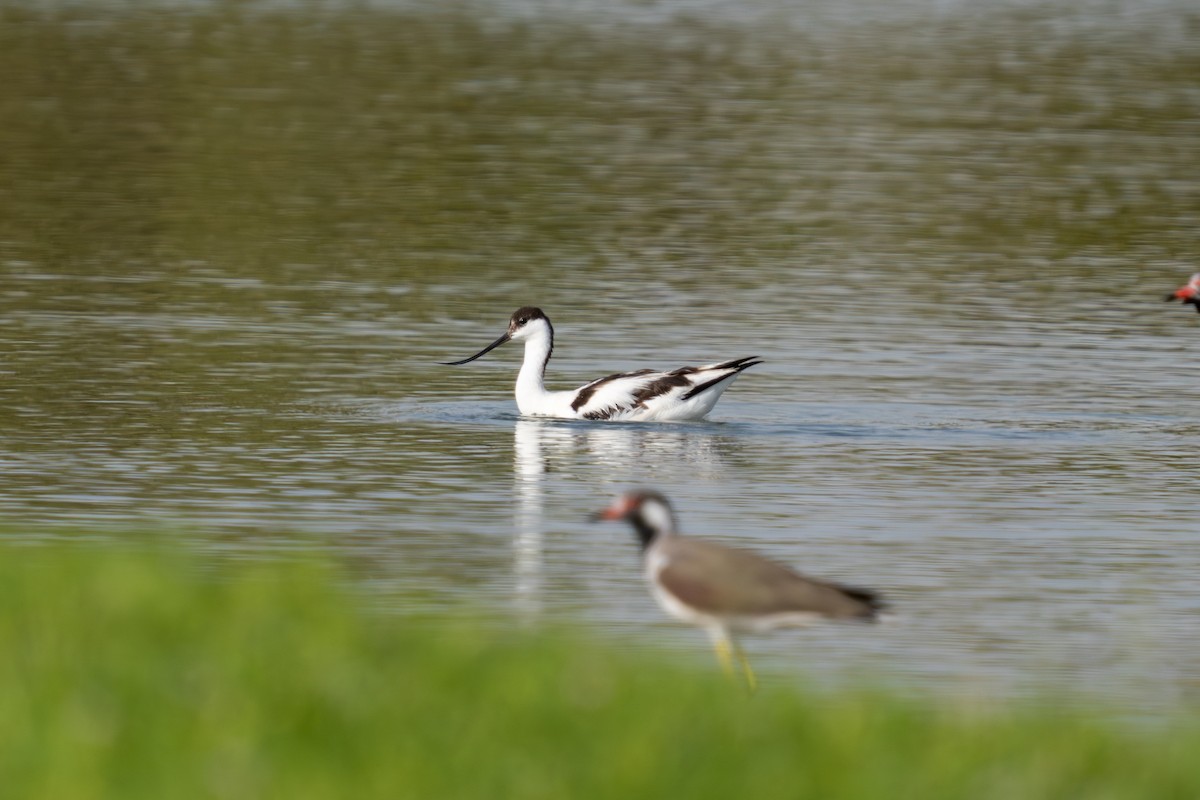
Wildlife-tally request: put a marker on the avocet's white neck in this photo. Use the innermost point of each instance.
(531, 388)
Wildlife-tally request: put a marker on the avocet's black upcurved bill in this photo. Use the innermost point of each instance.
(482, 352)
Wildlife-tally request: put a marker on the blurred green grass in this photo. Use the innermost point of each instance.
(146, 672)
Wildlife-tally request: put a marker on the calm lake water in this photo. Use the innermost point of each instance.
(234, 241)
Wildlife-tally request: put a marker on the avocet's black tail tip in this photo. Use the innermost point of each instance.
(729, 369)
(745, 362)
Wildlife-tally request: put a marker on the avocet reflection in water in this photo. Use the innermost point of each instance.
(540, 444)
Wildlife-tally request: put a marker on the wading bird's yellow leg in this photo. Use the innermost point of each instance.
(727, 649)
(724, 654)
(751, 681)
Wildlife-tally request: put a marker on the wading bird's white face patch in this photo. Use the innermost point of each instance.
(657, 515)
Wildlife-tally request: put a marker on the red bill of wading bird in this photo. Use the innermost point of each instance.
(1189, 294)
(728, 590)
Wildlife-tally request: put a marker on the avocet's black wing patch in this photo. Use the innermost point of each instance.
(602, 413)
(585, 393)
(632, 394)
(660, 386)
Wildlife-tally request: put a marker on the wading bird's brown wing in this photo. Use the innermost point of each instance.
(726, 581)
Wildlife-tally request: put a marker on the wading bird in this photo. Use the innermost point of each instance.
(727, 590)
(686, 393)
(1189, 294)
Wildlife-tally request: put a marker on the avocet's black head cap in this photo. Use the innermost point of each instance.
(523, 316)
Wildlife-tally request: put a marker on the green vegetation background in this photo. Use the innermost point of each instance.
(146, 673)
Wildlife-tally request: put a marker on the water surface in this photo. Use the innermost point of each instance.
(235, 240)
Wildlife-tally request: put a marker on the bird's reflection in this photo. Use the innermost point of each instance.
(529, 468)
(608, 456)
